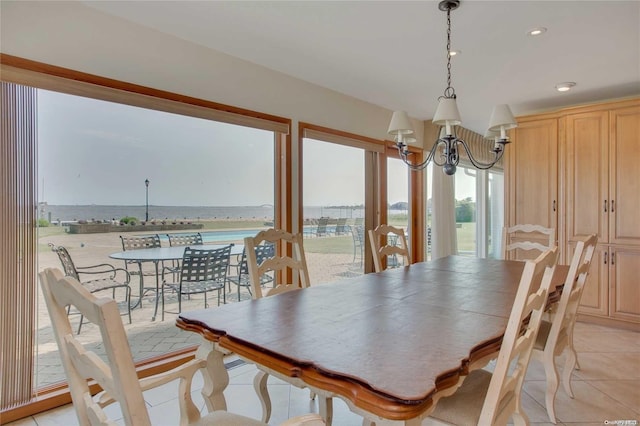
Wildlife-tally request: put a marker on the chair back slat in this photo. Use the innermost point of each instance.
(137, 243)
(537, 237)
(205, 265)
(290, 260)
(65, 259)
(381, 253)
(185, 240)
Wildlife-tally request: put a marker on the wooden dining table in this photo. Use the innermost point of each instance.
(390, 344)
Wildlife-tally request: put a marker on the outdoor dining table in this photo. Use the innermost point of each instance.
(389, 344)
(158, 255)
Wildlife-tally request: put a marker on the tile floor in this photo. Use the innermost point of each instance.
(606, 388)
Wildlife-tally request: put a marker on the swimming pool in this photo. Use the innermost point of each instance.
(231, 235)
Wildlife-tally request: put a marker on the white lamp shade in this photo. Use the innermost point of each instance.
(400, 124)
(502, 118)
(447, 113)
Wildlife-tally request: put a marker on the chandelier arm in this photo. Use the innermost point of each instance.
(425, 163)
(476, 163)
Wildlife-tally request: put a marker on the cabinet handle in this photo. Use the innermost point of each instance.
(554, 205)
(613, 206)
(606, 255)
(605, 206)
(613, 258)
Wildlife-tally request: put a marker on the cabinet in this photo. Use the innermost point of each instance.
(532, 171)
(597, 189)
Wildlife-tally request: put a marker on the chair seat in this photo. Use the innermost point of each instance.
(195, 288)
(102, 284)
(465, 405)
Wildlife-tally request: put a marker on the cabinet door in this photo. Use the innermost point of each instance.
(595, 296)
(624, 270)
(587, 168)
(624, 187)
(533, 174)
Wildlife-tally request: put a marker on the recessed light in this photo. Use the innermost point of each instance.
(565, 87)
(455, 52)
(537, 31)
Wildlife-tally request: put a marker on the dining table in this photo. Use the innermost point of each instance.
(390, 344)
(158, 255)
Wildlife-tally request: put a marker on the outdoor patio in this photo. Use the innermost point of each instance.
(148, 338)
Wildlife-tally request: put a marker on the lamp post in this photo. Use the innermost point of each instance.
(146, 211)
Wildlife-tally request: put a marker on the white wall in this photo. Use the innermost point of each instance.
(75, 36)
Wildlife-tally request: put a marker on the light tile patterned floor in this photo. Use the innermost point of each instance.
(607, 389)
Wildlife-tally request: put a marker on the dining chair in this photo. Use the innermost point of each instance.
(181, 240)
(383, 255)
(201, 271)
(241, 276)
(556, 335)
(486, 398)
(526, 237)
(290, 262)
(138, 243)
(104, 277)
(280, 263)
(115, 371)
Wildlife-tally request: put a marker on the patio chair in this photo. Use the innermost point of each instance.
(241, 278)
(321, 229)
(201, 271)
(181, 240)
(517, 240)
(341, 226)
(357, 234)
(104, 277)
(391, 250)
(137, 243)
(557, 335)
(115, 372)
(486, 398)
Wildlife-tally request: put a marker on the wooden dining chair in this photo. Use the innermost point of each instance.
(281, 263)
(519, 238)
(557, 335)
(290, 261)
(486, 398)
(115, 372)
(382, 254)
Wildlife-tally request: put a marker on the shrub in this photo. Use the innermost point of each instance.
(128, 219)
(42, 223)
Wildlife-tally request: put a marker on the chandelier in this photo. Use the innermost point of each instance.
(445, 152)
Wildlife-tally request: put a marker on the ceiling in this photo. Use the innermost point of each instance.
(393, 53)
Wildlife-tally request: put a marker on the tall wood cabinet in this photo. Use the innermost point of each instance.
(578, 170)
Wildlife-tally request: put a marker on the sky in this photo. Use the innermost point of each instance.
(98, 152)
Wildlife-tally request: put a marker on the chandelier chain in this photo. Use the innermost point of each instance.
(449, 92)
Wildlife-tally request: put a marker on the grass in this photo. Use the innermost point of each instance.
(467, 237)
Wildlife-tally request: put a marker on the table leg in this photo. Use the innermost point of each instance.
(325, 406)
(215, 376)
(155, 311)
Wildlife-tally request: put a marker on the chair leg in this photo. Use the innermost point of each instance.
(260, 385)
(325, 407)
(127, 292)
(162, 292)
(551, 373)
(80, 325)
(567, 371)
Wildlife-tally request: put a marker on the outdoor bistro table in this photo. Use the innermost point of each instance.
(160, 254)
(390, 344)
